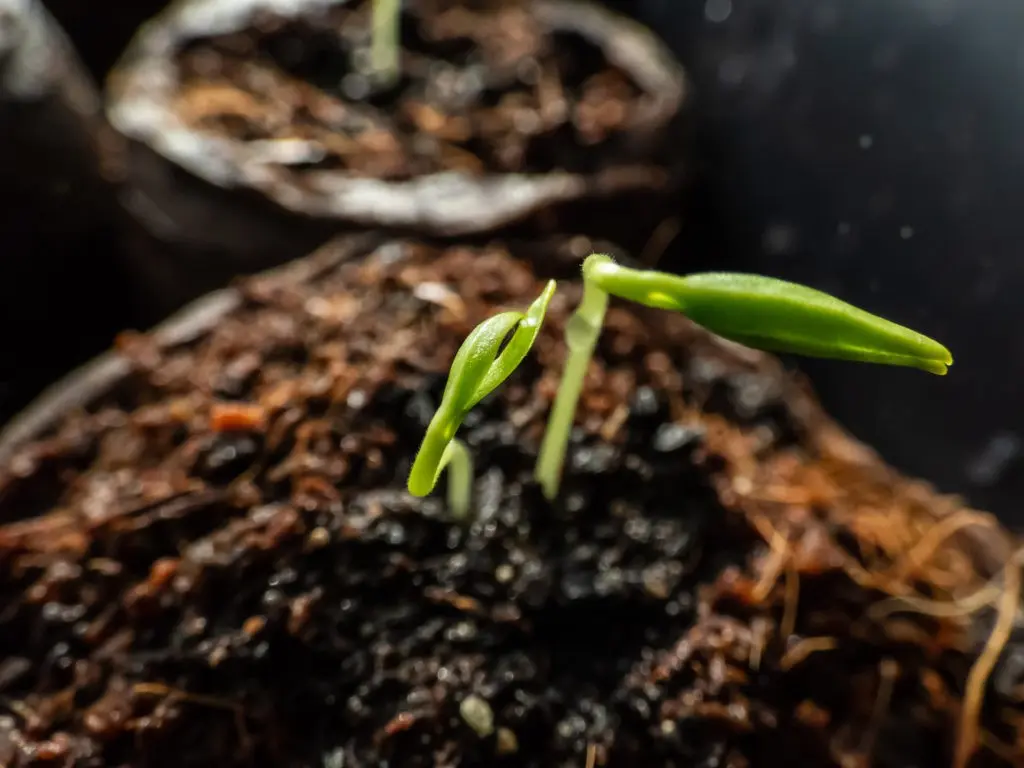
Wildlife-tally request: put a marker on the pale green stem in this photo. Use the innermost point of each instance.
(386, 46)
(427, 466)
(581, 334)
(460, 478)
(440, 451)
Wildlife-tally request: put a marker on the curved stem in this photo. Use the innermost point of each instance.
(428, 463)
(581, 334)
(460, 478)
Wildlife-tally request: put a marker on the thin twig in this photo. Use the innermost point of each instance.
(779, 556)
(159, 689)
(788, 624)
(967, 739)
(805, 648)
(933, 538)
(660, 240)
(888, 671)
(942, 609)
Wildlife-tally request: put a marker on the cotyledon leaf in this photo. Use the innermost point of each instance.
(518, 346)
(483, 362)
(776, 316)
(473, 361)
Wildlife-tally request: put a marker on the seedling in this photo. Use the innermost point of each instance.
(385, 46)
(480, 366)
(760, 312)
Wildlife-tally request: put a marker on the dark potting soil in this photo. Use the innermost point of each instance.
(484, 87)
(217, 564)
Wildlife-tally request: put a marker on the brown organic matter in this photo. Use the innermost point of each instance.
(482, 89)
(506, 112)
(215, 563)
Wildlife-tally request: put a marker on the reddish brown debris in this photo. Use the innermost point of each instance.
(727, 579)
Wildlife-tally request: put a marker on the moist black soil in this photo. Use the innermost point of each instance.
(217, 563)
(483, 87)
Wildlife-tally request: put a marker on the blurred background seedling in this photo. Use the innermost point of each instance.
(386, 44)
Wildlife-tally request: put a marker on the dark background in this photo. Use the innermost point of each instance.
(870, 148)
(875, 149)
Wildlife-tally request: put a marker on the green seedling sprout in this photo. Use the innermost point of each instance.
(774, 315)
(481, 365)
(385, 46)
(760, 312)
